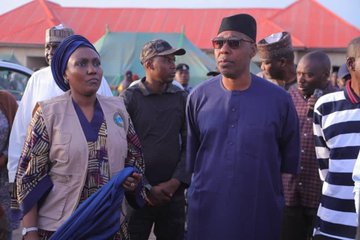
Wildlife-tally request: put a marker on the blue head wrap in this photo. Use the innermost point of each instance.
(62, 55)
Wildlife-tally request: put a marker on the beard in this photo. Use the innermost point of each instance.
(229, 75)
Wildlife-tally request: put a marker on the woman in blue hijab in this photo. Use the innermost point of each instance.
(75, 144)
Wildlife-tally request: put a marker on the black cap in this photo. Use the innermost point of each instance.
(243, 23)
(182, 67)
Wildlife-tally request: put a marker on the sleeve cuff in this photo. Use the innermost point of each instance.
(184, 178)
(38, 193)
(11, 176)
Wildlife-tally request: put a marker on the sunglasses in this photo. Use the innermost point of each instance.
(233, 43)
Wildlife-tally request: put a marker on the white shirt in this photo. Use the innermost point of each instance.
(356, 178)
(41, 86)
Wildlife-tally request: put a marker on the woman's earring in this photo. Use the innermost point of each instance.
(66, 81)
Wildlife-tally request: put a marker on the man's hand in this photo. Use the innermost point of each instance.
(163, 192)
(311, 102)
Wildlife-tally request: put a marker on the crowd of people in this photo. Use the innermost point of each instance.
(240, 156)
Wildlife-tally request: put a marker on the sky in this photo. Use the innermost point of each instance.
(347, 9)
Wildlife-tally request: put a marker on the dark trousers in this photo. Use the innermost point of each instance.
(298, 223)
(169, 221)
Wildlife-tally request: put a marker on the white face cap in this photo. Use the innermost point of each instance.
(60, 26)
(275, 37)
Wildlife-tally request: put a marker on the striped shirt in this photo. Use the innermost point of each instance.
(336, 129)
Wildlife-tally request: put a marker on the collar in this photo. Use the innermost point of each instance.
(350, 94)
(170, 88)
(287, 85)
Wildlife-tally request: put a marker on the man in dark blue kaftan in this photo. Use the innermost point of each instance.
(242, 134)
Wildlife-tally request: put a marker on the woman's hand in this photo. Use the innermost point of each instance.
(131, 182)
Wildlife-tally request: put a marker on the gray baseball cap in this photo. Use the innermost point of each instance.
(158, 47)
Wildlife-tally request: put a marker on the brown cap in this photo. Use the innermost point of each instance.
(57, 33)
(274, 46)
(158, 47)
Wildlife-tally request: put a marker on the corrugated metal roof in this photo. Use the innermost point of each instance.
(315, 25)
(310, 24)
(200, 26)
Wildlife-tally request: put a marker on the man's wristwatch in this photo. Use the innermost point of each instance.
(29, 229)
(148, 187)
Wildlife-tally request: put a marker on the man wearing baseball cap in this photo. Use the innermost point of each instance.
(242, 134)
(157, 109)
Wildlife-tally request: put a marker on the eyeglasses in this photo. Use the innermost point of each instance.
(233, 43)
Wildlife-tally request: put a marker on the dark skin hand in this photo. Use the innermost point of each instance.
(311, 102)
(313, 98)
(162, 193)
(3, 161)
(32, 236)
(132, 182)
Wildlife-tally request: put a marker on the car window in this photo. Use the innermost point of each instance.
(13, 81)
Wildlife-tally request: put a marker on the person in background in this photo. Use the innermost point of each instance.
(41, 86)
(337, 145)
(182, 76)
(135, 77)
(343, 76)
(277, 59)
(126, 82)
(333, 78)
(302, 192)
(243, 133)
(76, 142)
(8, 107)
(157, 108)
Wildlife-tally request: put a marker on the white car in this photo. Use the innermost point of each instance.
(13, 78)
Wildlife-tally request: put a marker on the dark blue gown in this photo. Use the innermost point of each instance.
(239, 143)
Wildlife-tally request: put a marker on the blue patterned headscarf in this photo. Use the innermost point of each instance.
(62, 55)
